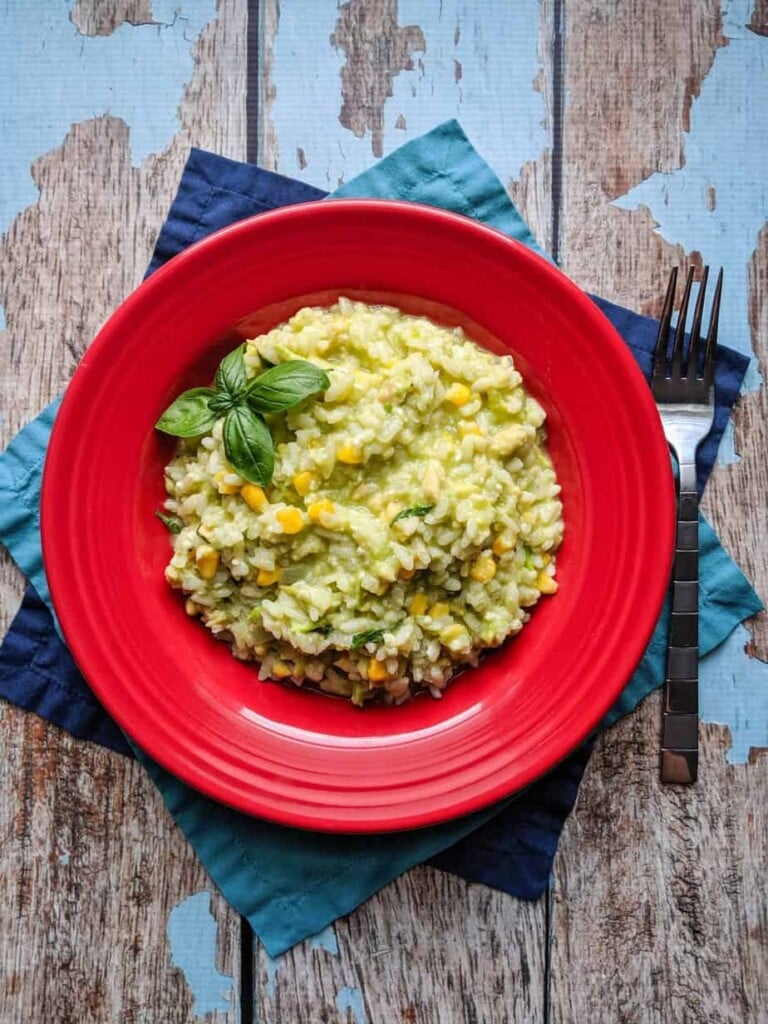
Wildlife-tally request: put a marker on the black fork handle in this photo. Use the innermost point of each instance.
(680, 718)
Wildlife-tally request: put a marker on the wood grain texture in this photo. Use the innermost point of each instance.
(632, 70)
(102, 17)
(759, 20)
(377, 49)
(428, 949)
(659, 910)
(91, 868)
(745, 535)
(532, 191)
(85, 940)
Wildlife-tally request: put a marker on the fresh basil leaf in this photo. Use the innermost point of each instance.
(173, 523)
(221, 402)
(231, 378)
(286, 385)
(415, 510)
(190, 415)
(368, 636)
(248, 445)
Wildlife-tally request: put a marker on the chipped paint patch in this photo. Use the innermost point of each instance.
(351, 999)
(64, 858)
(192, 933)
(376, 50)
(2, 317)
(326, 939)
(726, 453)
(272, 965)
(724, 154)
(138, 73)
(499, 61)
(733, 691)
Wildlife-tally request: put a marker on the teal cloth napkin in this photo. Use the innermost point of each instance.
(288, 883)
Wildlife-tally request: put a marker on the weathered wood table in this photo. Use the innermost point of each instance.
(633, 136)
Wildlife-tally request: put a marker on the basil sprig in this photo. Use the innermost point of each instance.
(285, 385)
(242, 402)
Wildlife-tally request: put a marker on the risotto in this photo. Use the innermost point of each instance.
(411, 520)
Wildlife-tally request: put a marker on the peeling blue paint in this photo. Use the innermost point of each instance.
(273, 965)
(726, 453)
(734, 692)
(192, 937)
(725, 151)
(494, 97)
(326, 940)
(64, 858)
(351, 999)
(56, 76)
(2, 317)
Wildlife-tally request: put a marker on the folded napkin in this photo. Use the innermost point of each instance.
(290, 883)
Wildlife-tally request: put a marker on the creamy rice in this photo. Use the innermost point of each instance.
(418, 419)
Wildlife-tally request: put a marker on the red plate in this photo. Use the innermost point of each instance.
(300, 757)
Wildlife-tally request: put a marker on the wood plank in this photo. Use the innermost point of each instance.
(659, 911)
(429, 949)
(91, 866)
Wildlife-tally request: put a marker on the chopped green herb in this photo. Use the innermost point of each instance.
(415, 510)
(173, 523)
(254, 615)
(323, 629)
(359, 691)
(368, 636)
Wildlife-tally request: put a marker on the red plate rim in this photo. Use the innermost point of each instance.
(74, 610)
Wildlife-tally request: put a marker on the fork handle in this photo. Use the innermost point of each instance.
(680, 717)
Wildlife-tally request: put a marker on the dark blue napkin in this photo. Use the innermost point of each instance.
(514, 849)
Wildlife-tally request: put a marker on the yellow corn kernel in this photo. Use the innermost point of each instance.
(222, 486)
(290, 519)
(546, 559)
(407, 574)
(439, 610)
(546, 584)
(319, 508)
(469, 428)
(451, 633)
(483, 570)
(303, 482)
(280, 670)
(253, 496)
(418, 604)
(266, 577)
(377, 670)
(502, 545)
(458, 394)
(207, 561)
(349, 454)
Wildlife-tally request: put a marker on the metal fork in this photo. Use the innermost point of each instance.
(684, 394)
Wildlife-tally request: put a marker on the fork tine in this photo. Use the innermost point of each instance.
(709, 351)
(662, 339)
(692, 366)
(677, 350)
